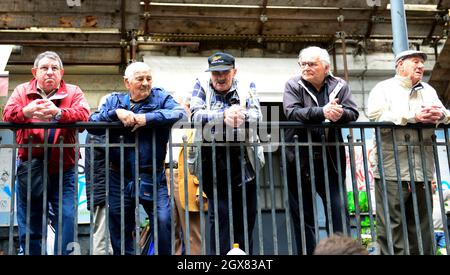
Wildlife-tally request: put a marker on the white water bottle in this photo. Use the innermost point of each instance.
(236, 250)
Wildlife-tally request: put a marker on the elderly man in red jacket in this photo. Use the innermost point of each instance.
(46, 98)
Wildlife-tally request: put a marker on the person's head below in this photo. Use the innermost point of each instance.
(138, 80)
(410, 64)
(314, 65)
(48, 71)
(223, 69)
(339, 244)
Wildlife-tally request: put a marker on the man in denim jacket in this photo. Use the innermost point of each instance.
(153, 111)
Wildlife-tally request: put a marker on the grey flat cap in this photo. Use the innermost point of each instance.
(409, 53)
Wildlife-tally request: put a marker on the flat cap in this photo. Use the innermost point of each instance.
(409, 53)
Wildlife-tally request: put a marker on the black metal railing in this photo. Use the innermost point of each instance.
(311, 162)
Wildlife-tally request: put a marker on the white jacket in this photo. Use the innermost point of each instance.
(396, 100)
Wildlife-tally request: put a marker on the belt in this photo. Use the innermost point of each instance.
(174, 165)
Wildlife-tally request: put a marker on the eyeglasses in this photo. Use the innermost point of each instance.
(45, 68)
(310, 64)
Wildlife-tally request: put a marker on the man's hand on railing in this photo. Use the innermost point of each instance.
(139, 120)
(429, 114)
(234, 116)
(127, 117)
(333, 111)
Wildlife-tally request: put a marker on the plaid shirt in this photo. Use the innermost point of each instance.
(219, 103)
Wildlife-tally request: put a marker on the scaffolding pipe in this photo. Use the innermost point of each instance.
(399, 29)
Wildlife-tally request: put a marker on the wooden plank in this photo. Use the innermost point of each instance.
(444, 4)
(71, 55)
(289, 3)
(58, 36)
(61, 6)
(49, 19)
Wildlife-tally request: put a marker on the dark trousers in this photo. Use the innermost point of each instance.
(338, 209)
(115, 215)
(237, 202)
(398, 238)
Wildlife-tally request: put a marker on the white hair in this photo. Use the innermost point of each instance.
(134, 67)
(315, 51)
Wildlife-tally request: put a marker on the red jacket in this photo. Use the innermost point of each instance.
(74, 107)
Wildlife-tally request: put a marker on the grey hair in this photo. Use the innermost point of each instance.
(315, 51)
(133, 68)
(50, 55)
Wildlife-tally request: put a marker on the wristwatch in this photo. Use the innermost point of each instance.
(58, 115)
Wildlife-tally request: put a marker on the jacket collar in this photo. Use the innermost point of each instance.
(407, 83)
(60, 93)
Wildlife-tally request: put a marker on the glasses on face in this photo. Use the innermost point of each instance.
(310, 64)
(45, 68)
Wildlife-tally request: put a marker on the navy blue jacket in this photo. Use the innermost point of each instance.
(97, 181)
(161, 112)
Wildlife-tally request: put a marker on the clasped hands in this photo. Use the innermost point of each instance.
(429, 114)
(234, 116)
(40, 109)
(130, 119)
(333, 111)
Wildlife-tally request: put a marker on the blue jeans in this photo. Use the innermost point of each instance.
(36, 214)
(163, 212)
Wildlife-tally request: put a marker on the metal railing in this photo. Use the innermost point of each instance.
(285, 177)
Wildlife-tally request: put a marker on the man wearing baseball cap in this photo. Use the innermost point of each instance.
(405, 99)
(223, 105)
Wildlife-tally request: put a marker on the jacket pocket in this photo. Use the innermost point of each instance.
(146, 187)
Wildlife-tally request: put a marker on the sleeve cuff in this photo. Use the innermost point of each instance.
(410, 117)
(113, 115)
(149, 117)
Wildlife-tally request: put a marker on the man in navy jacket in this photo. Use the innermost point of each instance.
(314, 97)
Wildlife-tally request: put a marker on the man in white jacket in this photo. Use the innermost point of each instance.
(404, 99)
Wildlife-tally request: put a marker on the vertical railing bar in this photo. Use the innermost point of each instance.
(60, 194)
(313, 184)
(244, 197)
(285, 192)
(137, 218)
(428, 194)
(45, 197)
(272, 198)
(411, 167)
(326, 182)
(384, 190)
(351, 152)
(155, 196)
(13, 195)
(300, 196)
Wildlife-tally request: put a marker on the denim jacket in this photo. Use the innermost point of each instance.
(161, 112)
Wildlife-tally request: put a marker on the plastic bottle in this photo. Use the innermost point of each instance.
(373, 248)
(236, 250)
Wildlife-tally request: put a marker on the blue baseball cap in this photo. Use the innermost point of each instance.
(220, 61)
